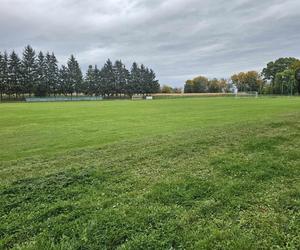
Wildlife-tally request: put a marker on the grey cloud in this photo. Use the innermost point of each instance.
(179, 39)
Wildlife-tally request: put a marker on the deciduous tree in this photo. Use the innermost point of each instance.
(280, 65)
(285, 82)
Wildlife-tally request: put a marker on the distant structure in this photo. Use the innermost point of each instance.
(234, 89)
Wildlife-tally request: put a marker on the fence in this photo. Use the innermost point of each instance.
(64, 98)
(191, 95)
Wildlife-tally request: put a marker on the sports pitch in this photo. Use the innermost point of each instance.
(194, 173)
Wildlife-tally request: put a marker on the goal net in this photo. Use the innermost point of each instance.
(247, 94)
(137, 97)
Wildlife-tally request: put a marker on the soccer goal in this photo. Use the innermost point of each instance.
(247, 94)
(137, 97)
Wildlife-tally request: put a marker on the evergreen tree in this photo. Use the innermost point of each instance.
(154, 84)
(121, 76)
(3, 74)
(51, 74)
(48, 74)
(75, 75)
(14, 75)
(144, 83)
(39, 74)
(67, 87)
(98, 88)
(148, 83)
(54, 73)
(41, 84)
(108, 83)
(134, 80)
(90, 81)
(29, 70)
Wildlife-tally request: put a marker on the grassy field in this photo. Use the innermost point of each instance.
(199, 173)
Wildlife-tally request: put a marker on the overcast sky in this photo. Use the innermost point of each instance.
(179, 39)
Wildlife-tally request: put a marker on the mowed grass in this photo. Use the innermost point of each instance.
(207, 173)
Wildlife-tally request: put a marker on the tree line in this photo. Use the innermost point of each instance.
(40, 75)
(166, 89)
(278, 77)
(202, 84)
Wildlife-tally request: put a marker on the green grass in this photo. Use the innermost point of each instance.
(211, 173)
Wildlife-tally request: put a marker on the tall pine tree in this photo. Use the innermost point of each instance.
(121, 75)
(90, 81)
(144, 83)
(29, 70)
(154, 84)
(66, 85)
(3, 74)
(14, 75)
(98, 90)
(48, 77)
(41, 84)
(54, 73)
(75, 75)
(108, 85)
(51, 75)
(134, 80)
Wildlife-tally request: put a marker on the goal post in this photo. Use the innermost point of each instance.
(247, 94)
(137, 97)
